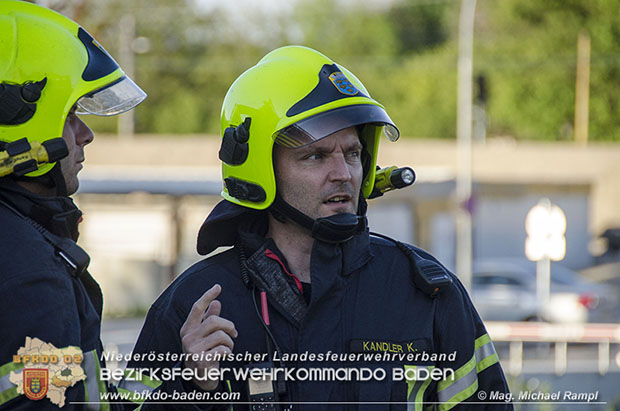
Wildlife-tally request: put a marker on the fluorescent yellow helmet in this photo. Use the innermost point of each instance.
(293, 96)
(48, 64)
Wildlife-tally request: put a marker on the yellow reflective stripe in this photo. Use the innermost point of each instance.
(419, 398)
(100, 383)
(416, 388)
(93, 386)
(10, 366)
(130, 397)
(411, 383)
(482, 340)
(91, 390)
(144, 379)
(418, 392)
(229, 390)
(465, 383)
(486, 363)
(86, 396)
(145, 384)
(485, 353)
(463, 395)
(136, 388)
(8, 390)
(8, 394)
(459, 374)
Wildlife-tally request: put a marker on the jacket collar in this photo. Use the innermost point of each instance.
(227, 222)
(59, 215)
(352, 254)
(330, 264)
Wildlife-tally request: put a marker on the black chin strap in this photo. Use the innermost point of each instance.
(337, 228)
(59, 180)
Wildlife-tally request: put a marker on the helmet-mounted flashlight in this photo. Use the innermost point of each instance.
(21, 157)
(390, 178)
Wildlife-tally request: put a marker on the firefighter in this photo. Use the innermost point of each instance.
(305, 285)
(51, 71)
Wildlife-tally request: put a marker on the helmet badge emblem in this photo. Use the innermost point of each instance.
(343, 84)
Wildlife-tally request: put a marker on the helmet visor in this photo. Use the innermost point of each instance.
(113, 99)
(319, 126)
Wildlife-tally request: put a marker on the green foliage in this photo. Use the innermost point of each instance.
(397, 54)
(342, 33)
(420, 93)
(186, 72)
(405, 52)
(418, 28)
(532, 74)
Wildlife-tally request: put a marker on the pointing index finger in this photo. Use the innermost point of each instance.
(201, 304)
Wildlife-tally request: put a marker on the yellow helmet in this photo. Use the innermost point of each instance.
(48, 64)
(293, 96)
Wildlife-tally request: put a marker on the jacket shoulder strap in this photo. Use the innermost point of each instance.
(71, 253)
(429, 276)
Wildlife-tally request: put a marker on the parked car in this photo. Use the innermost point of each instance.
(606, 275)
(504, 289)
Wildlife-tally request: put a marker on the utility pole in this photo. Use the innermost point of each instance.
(582, 88)
(127, 35)
(463, 135)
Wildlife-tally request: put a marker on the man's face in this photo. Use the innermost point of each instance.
(323, 178)
(76, 135)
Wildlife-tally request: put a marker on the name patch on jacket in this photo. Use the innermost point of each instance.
(379, 346)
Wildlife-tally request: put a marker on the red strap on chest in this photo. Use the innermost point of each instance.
(270, 254)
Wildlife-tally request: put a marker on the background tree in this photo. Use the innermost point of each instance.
(405, 52)
(528, 49)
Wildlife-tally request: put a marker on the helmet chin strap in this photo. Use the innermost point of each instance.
(59, 180)
(53, 182)
(337, 228)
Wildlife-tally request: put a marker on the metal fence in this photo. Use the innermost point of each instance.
(601, 341)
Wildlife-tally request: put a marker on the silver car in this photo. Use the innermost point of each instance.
(504, 289)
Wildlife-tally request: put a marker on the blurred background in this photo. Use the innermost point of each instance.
(502, 106)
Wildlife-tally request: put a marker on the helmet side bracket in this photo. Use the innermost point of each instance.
(18, 102)
(234, 149)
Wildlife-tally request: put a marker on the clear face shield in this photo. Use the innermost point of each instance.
(113, 99)
(319, 126)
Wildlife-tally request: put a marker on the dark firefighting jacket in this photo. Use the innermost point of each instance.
(41, 297)
(43, 300)
(361, 306)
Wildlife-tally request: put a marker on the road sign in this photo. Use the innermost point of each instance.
(545, 225)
